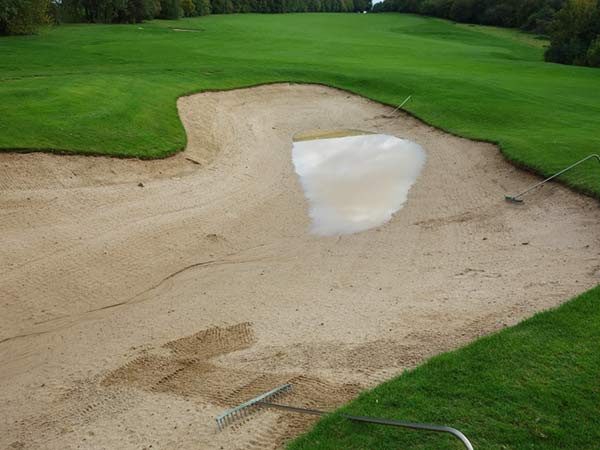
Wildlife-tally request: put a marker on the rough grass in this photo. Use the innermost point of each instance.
(532, 386)
(111, 89)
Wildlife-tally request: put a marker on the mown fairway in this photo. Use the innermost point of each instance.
(111, 89)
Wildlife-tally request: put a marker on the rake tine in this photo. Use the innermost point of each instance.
(244, 410)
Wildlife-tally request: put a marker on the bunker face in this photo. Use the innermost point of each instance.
(354, 183)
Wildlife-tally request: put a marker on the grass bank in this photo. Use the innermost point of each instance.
(532, 386)
(111, 89)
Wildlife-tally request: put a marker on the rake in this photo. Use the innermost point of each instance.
(517, 198)
(266, 401)
(402, 104)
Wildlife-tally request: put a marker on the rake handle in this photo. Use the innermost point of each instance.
(517, 198)
(374, 420)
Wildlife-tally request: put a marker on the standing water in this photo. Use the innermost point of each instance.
(355, 182)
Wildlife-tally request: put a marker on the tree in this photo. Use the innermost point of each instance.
(540, 21)
(202, 7)
(23, 16)
(71, 11)
(221, 6)
(188, 8)
(139, 10)
(502, 14)
(593, 53)
(362, 5)
(575, 28)
(170, 9)
(463, 10)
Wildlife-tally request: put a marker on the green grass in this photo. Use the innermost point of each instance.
(111, 89)
(532, 386)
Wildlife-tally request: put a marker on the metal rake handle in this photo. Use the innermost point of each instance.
(377, 421)
(517, 198)
(241, 411)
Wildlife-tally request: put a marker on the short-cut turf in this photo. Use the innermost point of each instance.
(535, 386)
(112, 89)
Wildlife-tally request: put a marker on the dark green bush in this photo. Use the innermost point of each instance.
(575, 30)
(593, 53)
(170, 9)
(202, 7)
(139, 10)
(23, 16)
(540, 21)
(188, 8)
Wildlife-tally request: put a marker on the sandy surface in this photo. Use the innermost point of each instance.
(132, 315)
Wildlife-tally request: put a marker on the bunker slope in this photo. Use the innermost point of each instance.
(141, 299)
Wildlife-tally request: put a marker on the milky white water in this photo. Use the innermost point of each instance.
(354, 183)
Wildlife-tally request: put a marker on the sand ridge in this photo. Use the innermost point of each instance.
(141, 298)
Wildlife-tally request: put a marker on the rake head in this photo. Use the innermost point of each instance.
(510, 198)
(239, 412)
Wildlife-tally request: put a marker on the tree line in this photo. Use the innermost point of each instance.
(530, 15)
(25, 16)
(573, 25)
(575, 34)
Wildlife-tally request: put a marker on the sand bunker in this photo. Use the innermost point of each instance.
(133, 315)
(355, 182)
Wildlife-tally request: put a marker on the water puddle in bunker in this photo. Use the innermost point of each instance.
(354, 180)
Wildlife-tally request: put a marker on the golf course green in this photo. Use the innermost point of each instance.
(112, 89)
